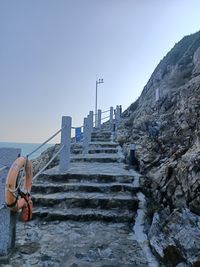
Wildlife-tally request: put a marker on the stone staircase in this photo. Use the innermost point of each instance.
(97, 187)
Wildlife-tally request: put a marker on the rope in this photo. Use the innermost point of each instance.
(105, 111)
(105, 118)
(101, 112)
(3, 168)
(2, 206)
(45, 142)
(48, 163)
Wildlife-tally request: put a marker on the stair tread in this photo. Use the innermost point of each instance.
(96, 155)
(98, 148)
(111, 212)
(86, 170)
(84, 187)
(83, 195)
(45, 184)
(104, 143)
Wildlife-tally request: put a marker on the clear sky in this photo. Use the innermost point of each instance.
(51, 52)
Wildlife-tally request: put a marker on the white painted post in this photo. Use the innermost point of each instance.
(99, 119)
(91, 120)
(111, 119)
(7, 218)
(96, 121)
(66, 142)
(117, 116)
(85, 136)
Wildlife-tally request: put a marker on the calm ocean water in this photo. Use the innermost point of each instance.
(26, 148)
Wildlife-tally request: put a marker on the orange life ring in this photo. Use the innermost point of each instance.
(16, 198)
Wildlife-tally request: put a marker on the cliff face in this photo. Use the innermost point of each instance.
(166, 132)
(171, 161)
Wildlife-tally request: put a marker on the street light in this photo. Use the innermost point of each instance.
(97, 82)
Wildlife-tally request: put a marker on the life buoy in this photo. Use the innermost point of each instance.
(15, 197)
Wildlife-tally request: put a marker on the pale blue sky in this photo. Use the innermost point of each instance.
(52, 50)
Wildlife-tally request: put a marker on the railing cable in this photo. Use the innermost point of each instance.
(56, 154)
(3, 168)
(45, 142)
(105, 111)
(101, 112)
(2, 206)
(105, 118)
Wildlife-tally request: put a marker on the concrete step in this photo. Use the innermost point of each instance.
(83, 187)
(114, 215)
(96, 147)
(101, 133)
(103, 145)
(105, 150)
(75, 177)
(87, 200)
(100, 139)
(105, 158)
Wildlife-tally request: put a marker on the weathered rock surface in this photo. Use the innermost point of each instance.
(176, 239)
(170, 161)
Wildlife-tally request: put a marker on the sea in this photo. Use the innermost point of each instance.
(27, 148)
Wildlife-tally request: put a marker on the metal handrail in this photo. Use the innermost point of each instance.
(105, 111)
(2, 206)
(3, 168)
(44, 143)
(48, 163)
(105, 118)
(102, 112)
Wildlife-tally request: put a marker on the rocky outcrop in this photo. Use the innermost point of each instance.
(171, 161)
(175, 239)
(167, 137)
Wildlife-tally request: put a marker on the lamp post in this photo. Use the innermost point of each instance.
(97, 82)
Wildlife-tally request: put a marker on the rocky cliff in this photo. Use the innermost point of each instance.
(164, 125)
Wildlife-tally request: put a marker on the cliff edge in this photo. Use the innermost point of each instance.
(164, 125)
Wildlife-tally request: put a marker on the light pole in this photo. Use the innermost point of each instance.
(97, 82)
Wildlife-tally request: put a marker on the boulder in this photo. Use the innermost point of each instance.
(176, 239)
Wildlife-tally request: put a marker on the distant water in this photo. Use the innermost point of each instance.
(26, 148)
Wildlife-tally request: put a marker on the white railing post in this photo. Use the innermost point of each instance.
(65, 142)
(7, 218)
(95, 120)
(111, 119)
(91, 115)
(99, 119)
(85, 136)
(117, 116)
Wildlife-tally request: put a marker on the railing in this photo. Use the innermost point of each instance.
(90, 125)
(85, 136)
(3, 168)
